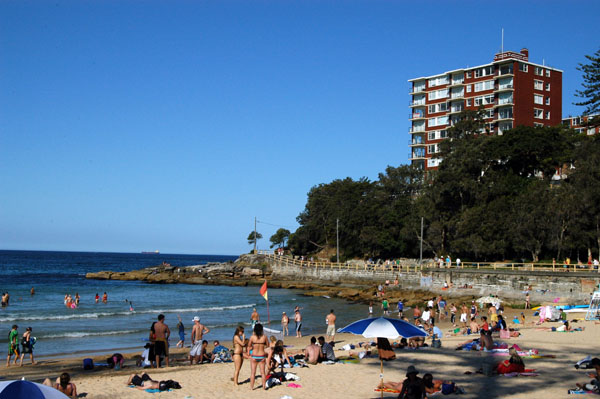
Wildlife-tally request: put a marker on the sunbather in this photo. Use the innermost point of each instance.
(63, 384)
(143, 382)
(594, 384)
(513, 364)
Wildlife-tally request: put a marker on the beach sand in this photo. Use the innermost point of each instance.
(556, 375)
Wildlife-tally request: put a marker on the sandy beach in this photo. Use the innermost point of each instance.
(350, 380)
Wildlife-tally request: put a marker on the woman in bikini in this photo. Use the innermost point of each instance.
(63, 384)
(239, 342)
(256, 351)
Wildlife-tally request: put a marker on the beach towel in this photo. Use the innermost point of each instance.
(348, 359)
(581, 391)
(293, 385)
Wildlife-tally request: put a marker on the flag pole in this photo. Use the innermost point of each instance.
(268, 315)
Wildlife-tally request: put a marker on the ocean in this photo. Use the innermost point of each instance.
(95, 328)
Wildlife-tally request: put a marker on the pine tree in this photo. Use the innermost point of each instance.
(591, 84)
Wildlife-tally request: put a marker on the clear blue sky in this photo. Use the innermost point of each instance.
(142, 125)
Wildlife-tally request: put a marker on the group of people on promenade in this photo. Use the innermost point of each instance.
(27, 342)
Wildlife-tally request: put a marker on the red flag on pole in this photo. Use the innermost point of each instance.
(263, 291)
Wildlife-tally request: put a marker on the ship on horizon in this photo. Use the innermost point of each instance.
(151, 252)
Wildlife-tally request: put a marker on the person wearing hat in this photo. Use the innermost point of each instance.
(285, 320)
(198, 332)
(412, 387)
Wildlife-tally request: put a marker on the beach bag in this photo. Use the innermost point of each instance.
(168, 384)
(88, 364)
(504, 334)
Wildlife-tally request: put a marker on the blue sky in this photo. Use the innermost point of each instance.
(142, 125)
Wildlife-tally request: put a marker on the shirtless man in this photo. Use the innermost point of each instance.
(474, 326)
(463, 314)
(198, 332)
(312, 351)
(298, 320)
(285, 320)
(162, 333)
(254, 317)
(330, 326)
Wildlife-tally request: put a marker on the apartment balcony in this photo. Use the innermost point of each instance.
(457, 83)
(418, 103)
(503, 102)
(416, 129)
(457, 96)
(416, 115)
(414, 156)
(500, 88)
(456, 110)
(503, 73)
(416, 141)
(416, 90)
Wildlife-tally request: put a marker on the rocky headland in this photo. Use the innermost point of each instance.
(254, 270)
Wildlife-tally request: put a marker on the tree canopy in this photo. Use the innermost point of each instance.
(493, 197)
(251, 239)
(591, 87)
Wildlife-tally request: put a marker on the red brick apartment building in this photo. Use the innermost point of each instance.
(579, 124)
(512, 90)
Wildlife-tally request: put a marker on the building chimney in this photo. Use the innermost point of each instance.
(525, 52)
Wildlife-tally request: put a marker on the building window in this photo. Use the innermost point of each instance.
(431, 135)
(522, 67)
(438, 81)
(468, 74)
(488, 113)
(484, 100)
(547, 114)
(539, 71)
(469, 102)
(538, 85)
(538, 99)
(432, 149)
(547, 73)
(547, 86)
(468, 88)
(547, 100)
(443, 134)
(434, 95)
(440, 120)
(538, 113)
(489, 70)
(440, 107)
(485, 85)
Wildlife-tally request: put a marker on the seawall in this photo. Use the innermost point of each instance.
(545, 286)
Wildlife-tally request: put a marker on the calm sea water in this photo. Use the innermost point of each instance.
(97, 328)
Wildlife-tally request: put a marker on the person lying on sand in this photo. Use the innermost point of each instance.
(446, 387)
(594, 384)
(143, 382)
(63, 384)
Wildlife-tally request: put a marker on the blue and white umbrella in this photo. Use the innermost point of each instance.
(383, 327)
(22, 389)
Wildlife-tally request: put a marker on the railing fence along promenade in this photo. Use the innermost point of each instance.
(408, 266)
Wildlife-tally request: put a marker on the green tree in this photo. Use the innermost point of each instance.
(591, 87)
(251, 239)
(280, 237)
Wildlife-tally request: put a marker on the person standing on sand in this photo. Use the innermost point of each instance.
(463, 314)
(527, 305)
(239, 343)
(198, 332)
(161, 336)
(13, 345)
(298, 320)
(370, 308)
(27, 345)
(330, 319)
(285, 320)
(254, 317)
(257, 354)
(181, 330)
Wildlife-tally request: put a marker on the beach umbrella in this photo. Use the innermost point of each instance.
(22, 389)
(383, 327)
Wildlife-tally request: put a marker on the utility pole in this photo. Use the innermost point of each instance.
(421, 250)
(254, 235)
(337, 238)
